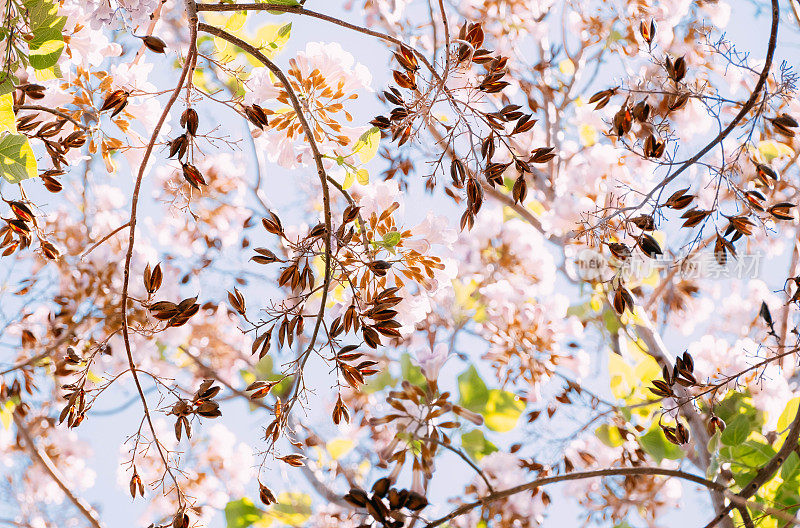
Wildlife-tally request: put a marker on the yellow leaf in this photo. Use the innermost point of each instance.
(771, 149)
(348, 180)
(48, 74)
(225, 51)
(621, 376)
(17, 160)
(566, 67)
(502, 411)
(236, 21)
(271, 38)
(339, 447)
(8, 121)
(587, 134)
(367, 145)
(363, 176)
(787, 416)
(536, 207)
(292, 509)
(6, 413)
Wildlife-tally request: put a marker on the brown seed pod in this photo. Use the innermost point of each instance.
(381, 487)
(193, 176)
(679, 199)
(649, 245)
(619, 250)
(648, 31)
(116, 101)
(623, 299)
(190, 121)
(265, 495)
(677, 69)
(357, 497)
(154, 44)
(644, 222)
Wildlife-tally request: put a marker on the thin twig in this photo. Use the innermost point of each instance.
(53, 111)
(326, 201)
(190, 58)
(746, 107)
(111, 234)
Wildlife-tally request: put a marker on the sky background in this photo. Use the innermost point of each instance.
(747, 30)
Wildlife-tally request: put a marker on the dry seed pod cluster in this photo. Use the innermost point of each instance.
(387, 506)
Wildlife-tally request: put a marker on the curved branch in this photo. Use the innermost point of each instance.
(746, 107)
(492, 497)
(42, 458)
(320, 16)
(191, 56)
(53, 111)
(323, 177)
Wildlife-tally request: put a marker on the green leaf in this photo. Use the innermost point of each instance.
(736, 431)
(292, 509)
(242, 513)
(503, 410)
(411, 373)
(736, 404)
(285, 31)
(46, 48)
(748, 454)
(790, 470)
(391, 239)
(379, 381)
(655, 444)
(47, 28)
(609, 435)
(17, 161)
(476, 445)
(7, 83)
(472, 391)
(367, 145)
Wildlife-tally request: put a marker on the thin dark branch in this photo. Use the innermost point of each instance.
(326, 201)
(746, 107)
(44, 460)
(53, 111)
(502, 494)
(191, 56)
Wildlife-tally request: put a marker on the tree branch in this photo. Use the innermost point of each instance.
(53, 111)
(492, 497)
(326, 201)
(191, 56)
(47, 463)
(746, 107)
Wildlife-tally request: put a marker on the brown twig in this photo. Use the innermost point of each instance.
(53, 111)
(320, 16)
(111, 234)
(318, 160)
(502, 494)
(746, 107)
(191, 56)
(46, 462)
